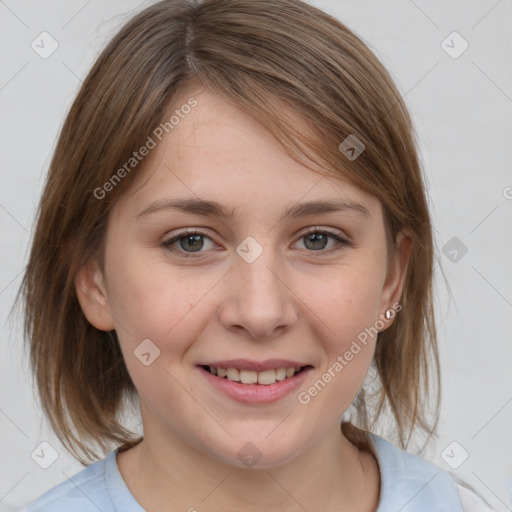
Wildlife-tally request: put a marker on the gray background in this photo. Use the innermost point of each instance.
(462, 108)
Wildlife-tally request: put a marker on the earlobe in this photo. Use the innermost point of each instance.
(93, 298)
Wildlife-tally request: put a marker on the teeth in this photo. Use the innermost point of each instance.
(233, 374)
(281, 374)
(265, 377)
(248, 377)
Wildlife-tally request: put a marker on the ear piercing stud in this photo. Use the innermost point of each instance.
(389, 314)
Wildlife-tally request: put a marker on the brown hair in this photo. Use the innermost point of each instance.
(259, 55)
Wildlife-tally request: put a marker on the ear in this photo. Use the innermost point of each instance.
(397, 268)
(92, 295)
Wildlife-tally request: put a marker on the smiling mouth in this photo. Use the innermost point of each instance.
(265, 377)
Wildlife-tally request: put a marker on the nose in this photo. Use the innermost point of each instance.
(258, 298)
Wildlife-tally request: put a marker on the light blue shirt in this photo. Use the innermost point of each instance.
(408, 484)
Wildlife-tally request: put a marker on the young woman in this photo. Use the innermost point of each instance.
(234, 235)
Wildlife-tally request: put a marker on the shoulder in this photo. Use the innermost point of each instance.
(86, 491)
(412, 484)
(470, 500)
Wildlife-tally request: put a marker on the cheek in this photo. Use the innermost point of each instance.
(149, 299)
(347, 310)
(153, 299)
(348, 305)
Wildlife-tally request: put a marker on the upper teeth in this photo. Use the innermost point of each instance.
(253, 377)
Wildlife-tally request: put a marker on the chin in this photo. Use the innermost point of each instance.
(258, 452)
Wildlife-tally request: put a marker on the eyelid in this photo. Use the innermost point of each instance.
(328, 230)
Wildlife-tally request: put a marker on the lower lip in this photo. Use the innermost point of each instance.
(256, 393)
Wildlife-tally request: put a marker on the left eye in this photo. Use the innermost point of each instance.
(193, 241)
(318, 239)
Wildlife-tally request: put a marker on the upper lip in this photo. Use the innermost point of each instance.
(259, 366)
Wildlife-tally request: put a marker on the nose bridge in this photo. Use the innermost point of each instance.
(262, 302)
(257, 271)
(260, 278)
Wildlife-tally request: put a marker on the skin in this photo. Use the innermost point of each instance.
(215, 305)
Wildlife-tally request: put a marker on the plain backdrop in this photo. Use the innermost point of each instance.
(461, 102)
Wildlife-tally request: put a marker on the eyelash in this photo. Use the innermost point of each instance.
(167, 244)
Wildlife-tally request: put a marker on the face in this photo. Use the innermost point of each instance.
(243, 276)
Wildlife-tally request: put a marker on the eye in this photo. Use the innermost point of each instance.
(316, 239)
(190, 241)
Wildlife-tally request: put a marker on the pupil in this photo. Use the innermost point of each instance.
(315, 237)
(193, 238)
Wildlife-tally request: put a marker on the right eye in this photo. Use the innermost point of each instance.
(190, 241)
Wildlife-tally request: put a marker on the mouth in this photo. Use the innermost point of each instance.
(264, 377)
(255, 383)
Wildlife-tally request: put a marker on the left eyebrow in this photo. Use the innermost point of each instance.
(215, 209)
(317, 207)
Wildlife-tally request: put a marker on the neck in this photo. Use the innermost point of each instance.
(335, 475)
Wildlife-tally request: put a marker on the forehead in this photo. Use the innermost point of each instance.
(217, 151)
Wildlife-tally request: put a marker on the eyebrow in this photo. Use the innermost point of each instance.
(215, 209)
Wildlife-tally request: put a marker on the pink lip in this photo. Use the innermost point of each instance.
(256, 393)
(246, 364)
